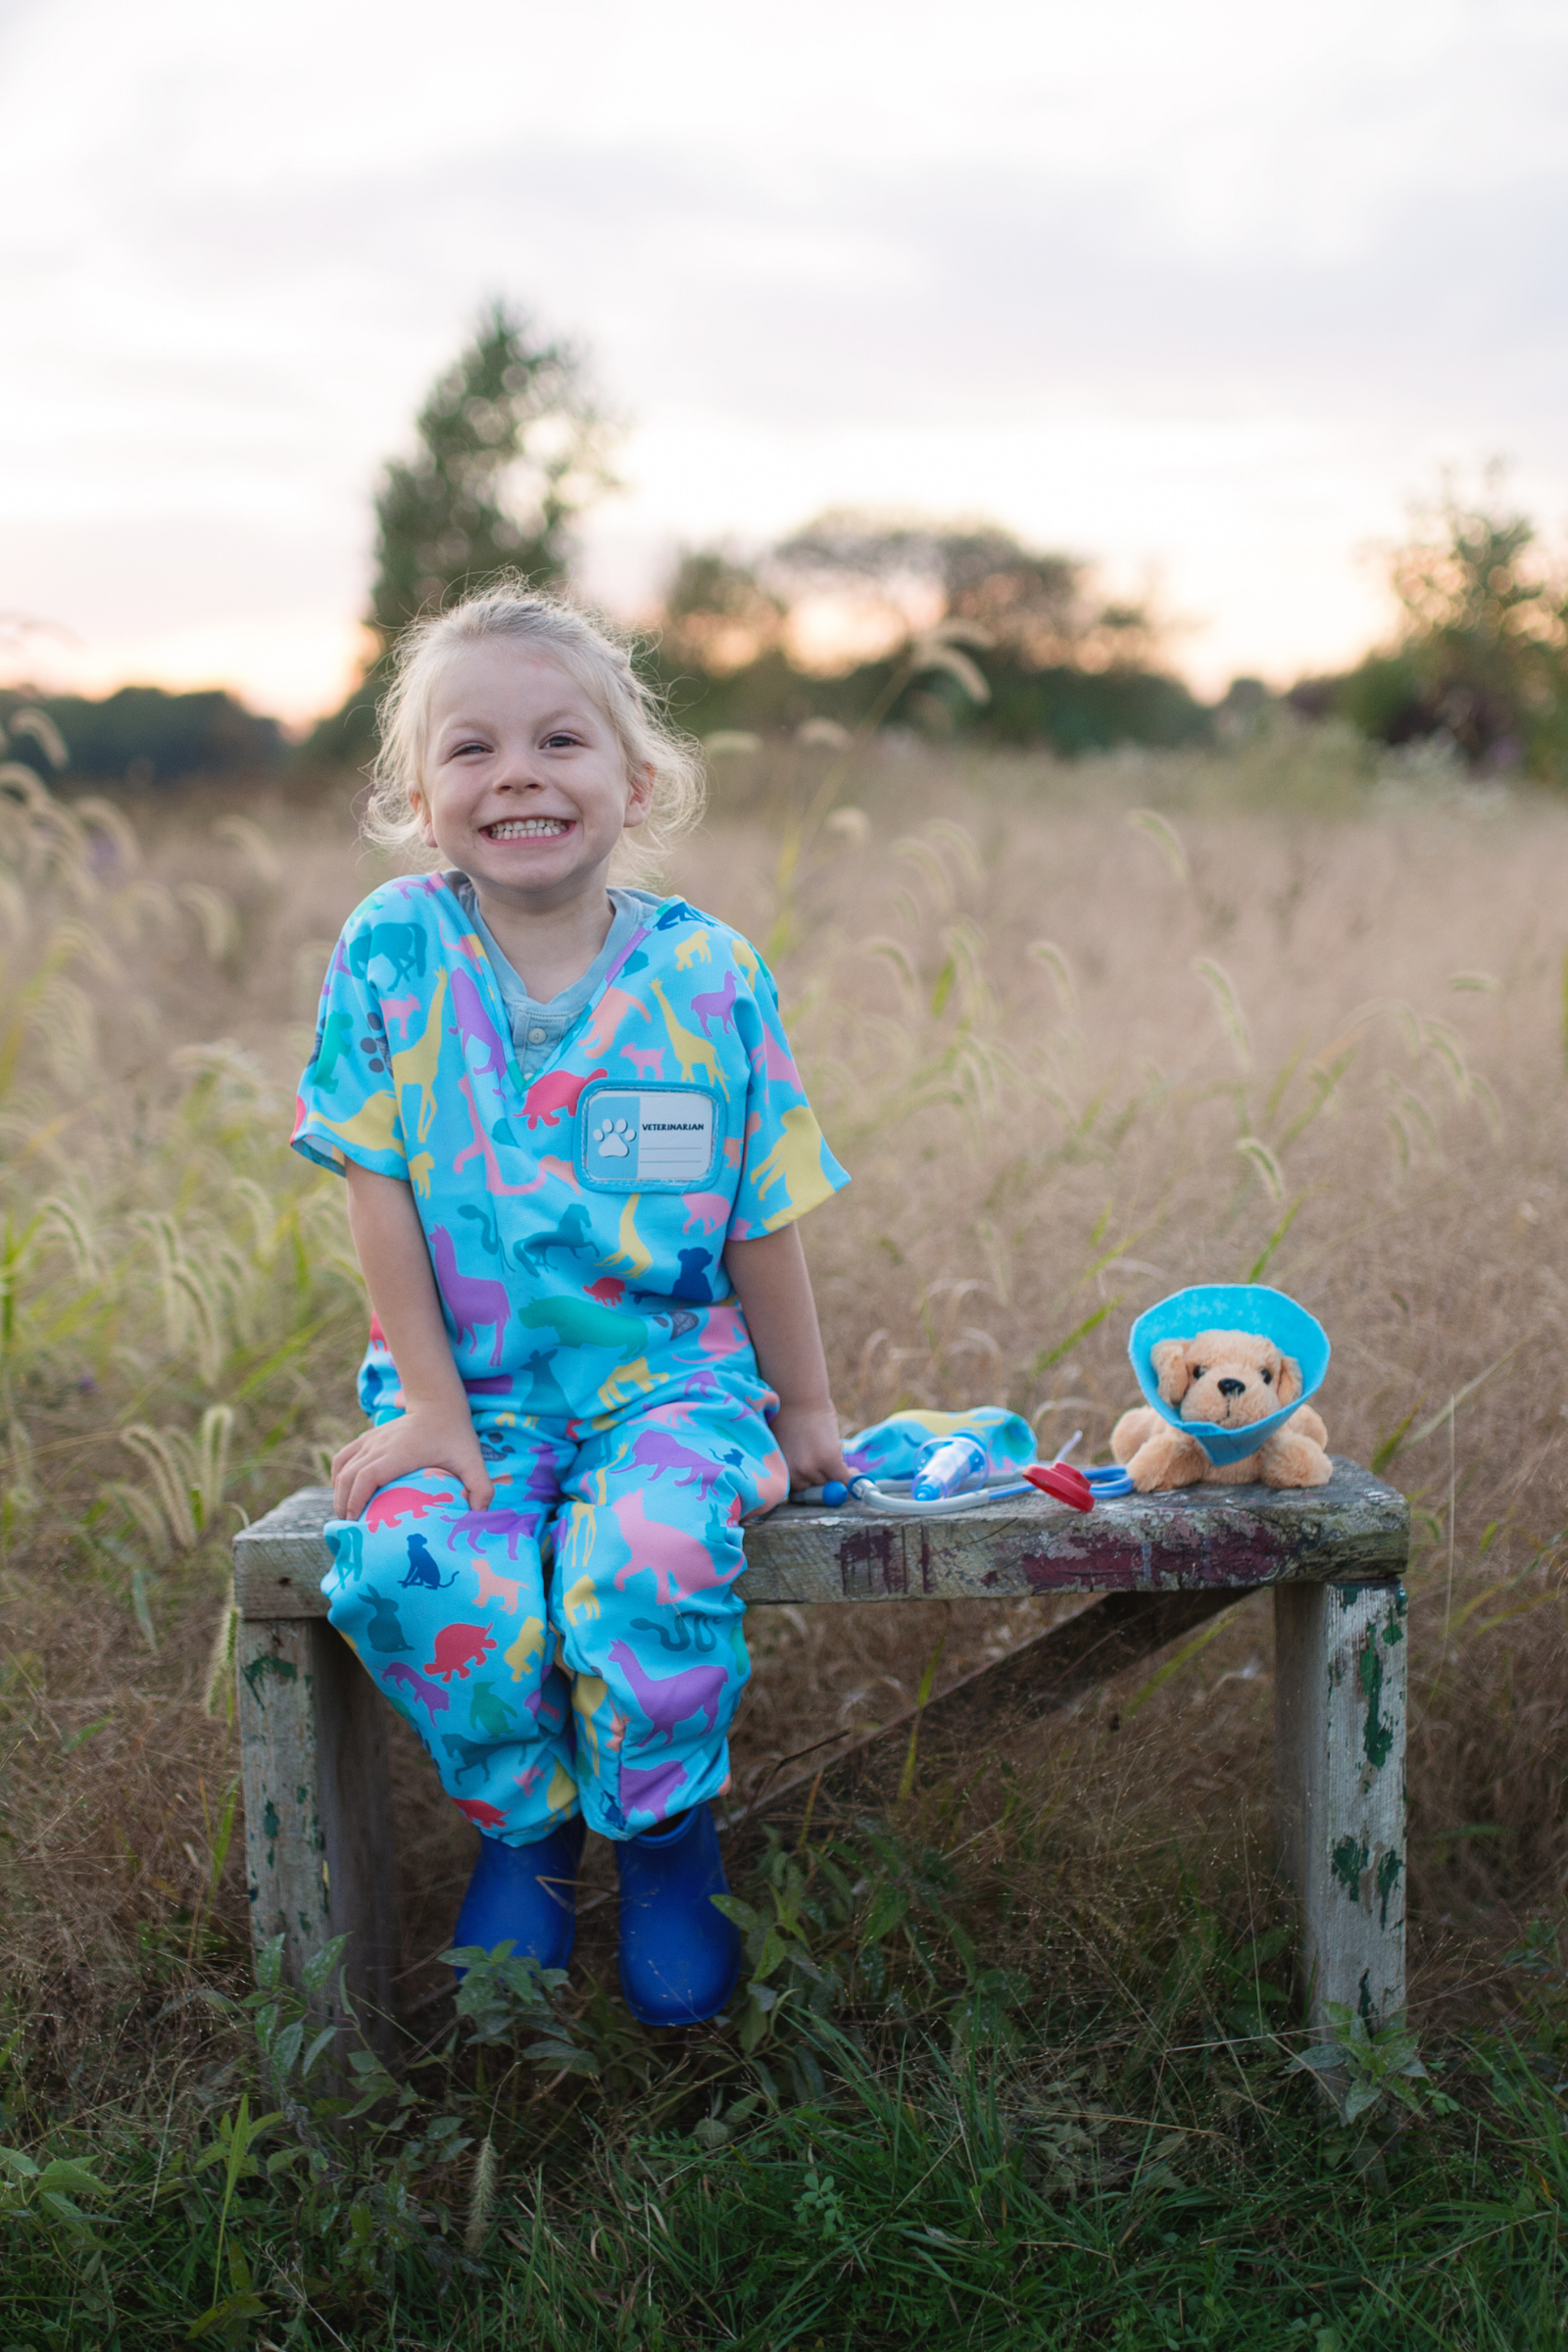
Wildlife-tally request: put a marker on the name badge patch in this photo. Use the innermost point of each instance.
(641, 1138)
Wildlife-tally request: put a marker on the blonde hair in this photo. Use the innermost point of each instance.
(600, 660)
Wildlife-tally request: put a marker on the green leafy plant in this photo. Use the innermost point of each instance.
(505, 1998)
(1382, 2067)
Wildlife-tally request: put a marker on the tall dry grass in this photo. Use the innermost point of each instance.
(1081, 1036)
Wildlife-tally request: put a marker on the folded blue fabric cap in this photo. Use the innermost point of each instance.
(1230, 1306)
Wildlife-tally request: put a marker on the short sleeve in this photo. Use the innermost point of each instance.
(786, 1167)
(347, 1106)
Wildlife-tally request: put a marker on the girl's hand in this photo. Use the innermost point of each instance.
(807, 1436)
(774, 1290)
(427, 1436)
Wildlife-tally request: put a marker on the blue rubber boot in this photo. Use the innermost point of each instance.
(525, 1894)
(679, 1956)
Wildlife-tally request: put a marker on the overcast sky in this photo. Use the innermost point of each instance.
(1203, 290)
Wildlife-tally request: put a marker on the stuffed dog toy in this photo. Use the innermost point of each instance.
(1230, 1378)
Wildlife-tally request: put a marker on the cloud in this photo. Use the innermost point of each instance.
(1197, 287)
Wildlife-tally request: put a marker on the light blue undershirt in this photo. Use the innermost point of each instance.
(538, 1029)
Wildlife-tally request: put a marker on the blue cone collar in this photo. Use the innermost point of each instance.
(1230, 1306)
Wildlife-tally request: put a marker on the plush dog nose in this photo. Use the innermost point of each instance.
(1233, 1388)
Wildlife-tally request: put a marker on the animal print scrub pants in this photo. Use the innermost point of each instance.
(578, 1644)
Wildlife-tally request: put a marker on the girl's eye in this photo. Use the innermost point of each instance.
(558, 741)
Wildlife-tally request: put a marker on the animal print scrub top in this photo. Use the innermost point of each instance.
(576, 1223)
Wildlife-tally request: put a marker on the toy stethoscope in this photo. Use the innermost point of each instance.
(946, 1484)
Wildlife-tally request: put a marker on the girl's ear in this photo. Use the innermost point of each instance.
(640, 782)
(1287, 1382)
(1172, 1371)
(420, 810)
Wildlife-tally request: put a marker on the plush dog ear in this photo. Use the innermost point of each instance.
(1287, 1381)
(1172, 1370)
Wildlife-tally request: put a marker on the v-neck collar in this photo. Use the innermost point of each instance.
(494, 1004)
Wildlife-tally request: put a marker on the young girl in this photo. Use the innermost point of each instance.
(576, 1148)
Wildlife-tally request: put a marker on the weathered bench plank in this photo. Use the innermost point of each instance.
(1355, 1531)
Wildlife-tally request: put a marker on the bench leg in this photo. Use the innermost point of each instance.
(1340, 1728)
(319, 1849)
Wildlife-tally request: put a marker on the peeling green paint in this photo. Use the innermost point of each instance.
(1387, 1878)
(1351, 1857)
(272, 1821)
(1364, 2001)
(1378, 1738)
(258, 1669)
(1392, 1634)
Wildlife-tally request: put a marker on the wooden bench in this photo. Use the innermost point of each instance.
(319, 1837)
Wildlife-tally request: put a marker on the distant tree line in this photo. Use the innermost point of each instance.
(510, 448)
(1054, 663)
(978, 635)
(144, 736)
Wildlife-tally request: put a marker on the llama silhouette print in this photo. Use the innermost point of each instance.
(669, 1700)
(473, 1303)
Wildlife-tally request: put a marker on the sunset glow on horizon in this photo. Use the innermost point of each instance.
(1203, 296)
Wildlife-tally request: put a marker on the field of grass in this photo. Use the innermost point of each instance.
(1081, 1035)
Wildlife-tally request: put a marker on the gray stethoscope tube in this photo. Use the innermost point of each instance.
(891, 1497)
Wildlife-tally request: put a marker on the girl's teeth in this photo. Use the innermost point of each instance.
(523, 828)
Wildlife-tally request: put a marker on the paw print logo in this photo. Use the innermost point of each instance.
(613, 1138)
